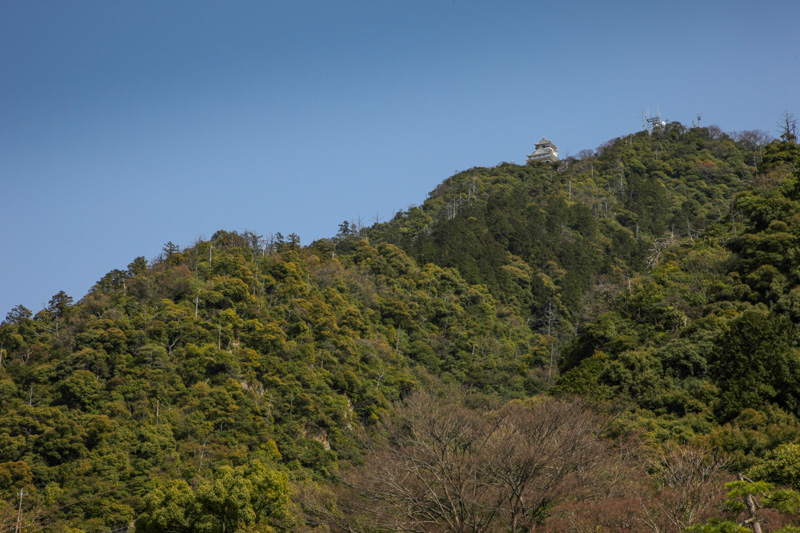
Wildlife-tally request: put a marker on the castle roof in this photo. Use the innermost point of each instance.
(546, 142)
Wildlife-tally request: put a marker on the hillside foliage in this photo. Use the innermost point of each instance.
(621, 327)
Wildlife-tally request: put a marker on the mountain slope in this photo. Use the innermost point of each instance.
(231, 352)
(707, 343)
(544, 238)
(182, 391)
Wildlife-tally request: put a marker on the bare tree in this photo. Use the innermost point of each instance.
(440, 465)
(423, 477)
(443, 466)
(714, 132)
(672, 490)
(788, 127)
(536, 456)
(753, 142)
(689, 480)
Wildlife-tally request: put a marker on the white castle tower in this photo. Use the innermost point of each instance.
(545, 151)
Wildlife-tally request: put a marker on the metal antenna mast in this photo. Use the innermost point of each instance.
(650, 123)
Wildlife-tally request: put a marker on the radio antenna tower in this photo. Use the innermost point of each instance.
(650, 123)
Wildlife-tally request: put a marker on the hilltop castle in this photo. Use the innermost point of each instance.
(545, 151)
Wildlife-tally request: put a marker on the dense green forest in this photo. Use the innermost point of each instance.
(606, 343)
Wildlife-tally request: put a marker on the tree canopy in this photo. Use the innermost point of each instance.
(600, 342)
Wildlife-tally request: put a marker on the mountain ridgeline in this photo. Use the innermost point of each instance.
(630, 315)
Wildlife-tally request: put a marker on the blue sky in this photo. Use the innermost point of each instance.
(124, 125)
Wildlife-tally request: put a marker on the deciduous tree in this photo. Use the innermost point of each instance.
(443, 466)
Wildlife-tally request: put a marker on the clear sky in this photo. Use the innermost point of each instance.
(124, 125)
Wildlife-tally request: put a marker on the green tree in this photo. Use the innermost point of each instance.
(170, 249)
(59, 304)
(755, 363)
(171, 508)
(781, 465)
(242, 497)
(18, 313)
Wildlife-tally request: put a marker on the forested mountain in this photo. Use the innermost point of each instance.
(589, 345)
(541, 234)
